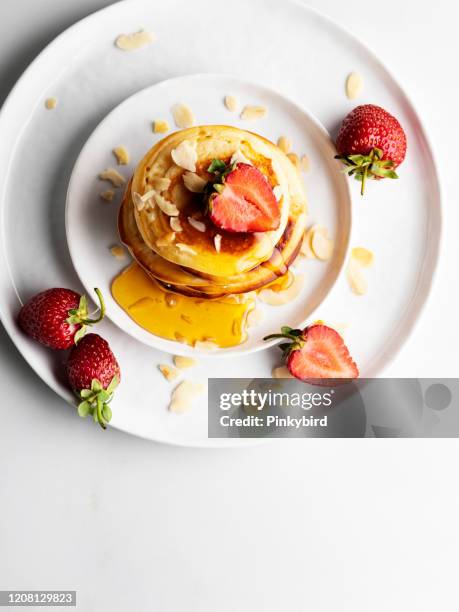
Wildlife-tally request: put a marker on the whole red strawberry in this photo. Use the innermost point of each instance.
(93, 373)
(242, 200)
(315, 353)
(371, 143)
(58, 318)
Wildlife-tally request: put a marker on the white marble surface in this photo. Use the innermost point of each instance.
(321, 525)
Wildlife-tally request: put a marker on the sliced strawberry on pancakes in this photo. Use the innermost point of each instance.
(317, 352)
(245, 202)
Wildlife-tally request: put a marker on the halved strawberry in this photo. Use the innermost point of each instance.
(317, 352)
(244, 202)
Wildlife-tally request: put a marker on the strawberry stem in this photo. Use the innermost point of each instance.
(373, 166)
(79, 316)
(94, 401)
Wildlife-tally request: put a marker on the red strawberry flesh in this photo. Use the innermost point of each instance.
(246, 202)
(91, 359)
(44, 317)
(368, 127)
(323, 355)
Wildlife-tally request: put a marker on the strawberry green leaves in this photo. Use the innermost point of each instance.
(79, 316)
(368, 166)
(95, 401)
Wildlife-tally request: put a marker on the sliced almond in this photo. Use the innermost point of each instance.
(306, 249)
(183, 396)
(284, 144)
(305, 163)
(122, 155)
(185, 248)
(198, 225)
(278, 192)
(167, 207)
(239, 158)
(169, 372)
(50, 103)
(364, 257)
(279, 298)
(183, 116)
(321, 245)
(175, 224)
(281, 372)
(255, 317)
(118, 252)
(218, 242)
(151, 216)
(139, 201)
(355, 277)
(184, 362)
(112, 175)
(231, 103)
(136, 40)
(354, 85)
(205, 345)
(166, 239)
(107, 195)
(160, 183)
(193, 182)
(251, 113)
(293, 157)
(185, 155)
(160, 126)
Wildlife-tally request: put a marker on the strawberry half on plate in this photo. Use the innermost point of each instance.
(244, 202)
(316, 353)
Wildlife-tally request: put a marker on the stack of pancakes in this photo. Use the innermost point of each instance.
(167, 230)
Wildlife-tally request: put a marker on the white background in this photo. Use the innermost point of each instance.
(323, 525)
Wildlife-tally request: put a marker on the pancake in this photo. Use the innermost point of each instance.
(190, 248)
(184, 280)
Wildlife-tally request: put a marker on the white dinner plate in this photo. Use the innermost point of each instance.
(91, 224)
(288, 48)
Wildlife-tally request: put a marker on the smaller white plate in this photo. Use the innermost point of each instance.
(91, 224)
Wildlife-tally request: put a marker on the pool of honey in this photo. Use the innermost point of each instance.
(179, 317)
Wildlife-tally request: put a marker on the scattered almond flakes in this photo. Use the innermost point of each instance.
(255, 317)
(218, 242)
(321, 245)
(139, 201)
(279, 298)
(169, 372)
(183, 396)
(122, 155)
(278, 192)
(136, 40)
(185, 248)
(293, 157)
(284, 144)
(51, 103)
(118, 251)
(281, 372)
(198, 225)
(193, 182)
(166, 239)
(254, 112)
(185, 155)
(305, 163)
(355, 277)
(175, 224)
(107, 195)
(167, 207)
(112, 175)
(160, 126)
(363, 256)
(205, 345)
(354, 85)
(239, 158)
(183, 116)
(306, 249)
(231, 103)
(184, 362)
(160, 183)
